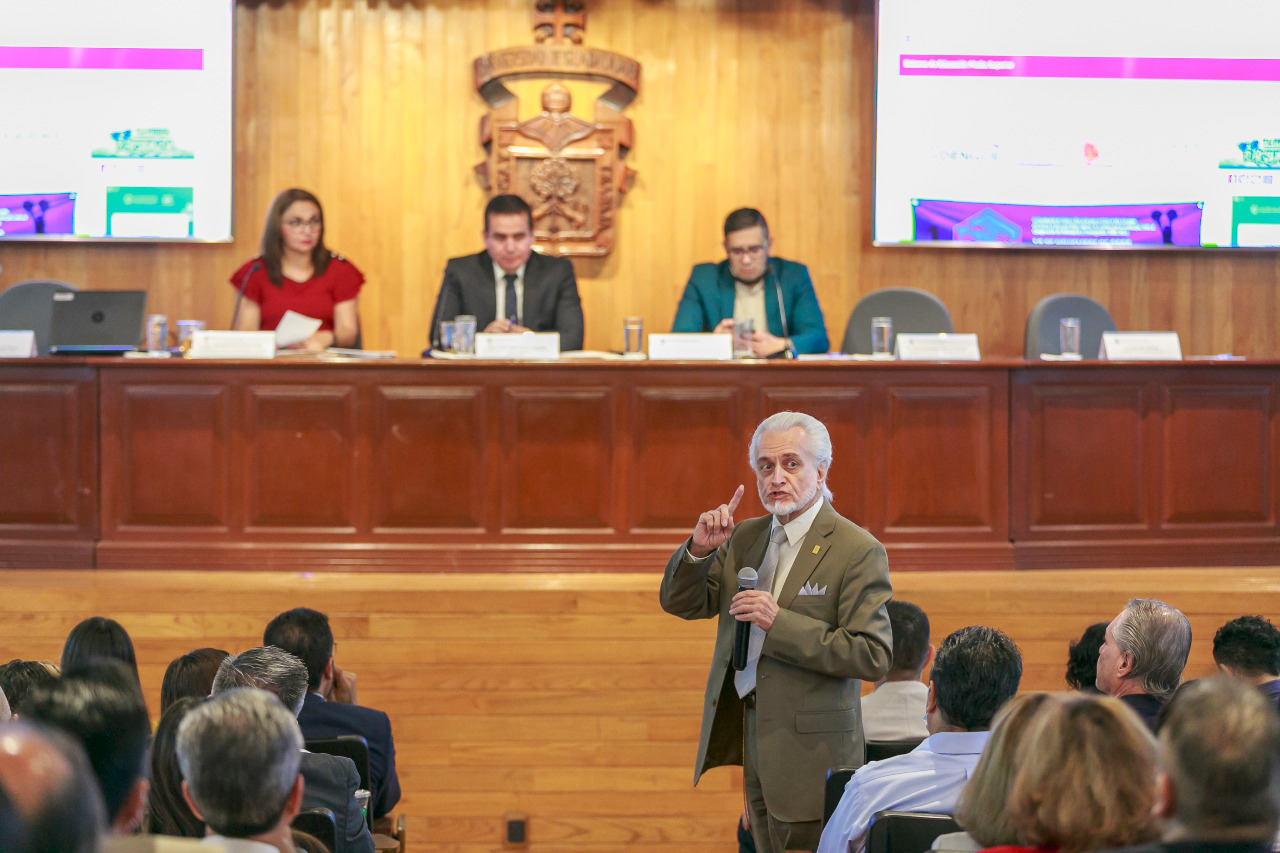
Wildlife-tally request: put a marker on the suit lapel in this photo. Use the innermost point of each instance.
(486, 295)
(724, 287)
(534, 287)
(812, 552)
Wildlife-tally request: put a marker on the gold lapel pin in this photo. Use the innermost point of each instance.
(817, 548)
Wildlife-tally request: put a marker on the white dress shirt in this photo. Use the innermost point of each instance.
(895, 711)
(927, 779)
(500, 288)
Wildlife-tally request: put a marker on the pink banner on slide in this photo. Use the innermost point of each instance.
(120, 58)
(1096, 67)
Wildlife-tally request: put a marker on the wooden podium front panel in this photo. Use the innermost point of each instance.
(430, 452)
(557, 452)
(48, 466)
(300, 469)
(945, 469)
(1217, 461)
(168, 465)
(688, 448)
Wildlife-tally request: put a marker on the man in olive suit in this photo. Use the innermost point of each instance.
(818, 625)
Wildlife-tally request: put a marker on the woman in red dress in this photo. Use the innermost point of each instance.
(295, 272)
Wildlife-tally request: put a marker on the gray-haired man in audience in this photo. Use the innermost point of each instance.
(1218, 779)
(1142, 658)
(332, 780)
(239, 753)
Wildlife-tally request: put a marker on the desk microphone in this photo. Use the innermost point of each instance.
(244, 279)
(742, 631)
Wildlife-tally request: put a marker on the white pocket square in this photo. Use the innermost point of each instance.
(810, 589)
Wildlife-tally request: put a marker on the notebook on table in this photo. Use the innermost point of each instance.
(97, 322)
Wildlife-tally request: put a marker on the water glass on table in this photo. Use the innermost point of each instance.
(1069, 336)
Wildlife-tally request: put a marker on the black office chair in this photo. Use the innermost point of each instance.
(320, 823)
(879, 750)
(913, 311)
(356, 748)
(907, 832)
(837, 778)
(29, 305)
(1042, 325)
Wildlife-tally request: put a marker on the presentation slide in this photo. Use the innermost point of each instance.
(1141, 126)
(117, 120)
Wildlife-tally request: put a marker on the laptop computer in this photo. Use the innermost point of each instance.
(97, 322)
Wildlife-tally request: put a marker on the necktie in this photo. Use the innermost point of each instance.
(745, 681)
(513, 306)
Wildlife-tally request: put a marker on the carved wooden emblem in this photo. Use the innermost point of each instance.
(569, 169)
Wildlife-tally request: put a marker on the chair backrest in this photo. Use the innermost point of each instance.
(1042, 324)
(29, 305)
(354, 747)
(907, 832)
(318, 822)
(879, 750)
(913, 311)
(837, 778)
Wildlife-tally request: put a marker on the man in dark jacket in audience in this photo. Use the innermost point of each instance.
(1142, 658)
(1249, 648)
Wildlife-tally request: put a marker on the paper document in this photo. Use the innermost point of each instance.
(295, 328)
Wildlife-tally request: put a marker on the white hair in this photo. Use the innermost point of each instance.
(818, 440)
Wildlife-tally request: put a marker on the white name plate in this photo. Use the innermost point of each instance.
(218, 344)
(690, 346)
(1140, 346)
(941, 347)
(528, 345)
(18, 344)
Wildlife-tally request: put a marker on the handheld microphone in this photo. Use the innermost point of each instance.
(742, 631)
(244, 279)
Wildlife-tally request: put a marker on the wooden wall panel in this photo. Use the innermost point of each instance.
(766, 103)
(569, 697)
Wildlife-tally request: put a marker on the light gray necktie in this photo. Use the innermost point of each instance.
(745, 681)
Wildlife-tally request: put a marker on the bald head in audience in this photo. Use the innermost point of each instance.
(48, 798)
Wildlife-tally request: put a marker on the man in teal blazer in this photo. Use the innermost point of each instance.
(819, 627)
(750, 283)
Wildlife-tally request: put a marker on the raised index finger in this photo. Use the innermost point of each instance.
(736, 499)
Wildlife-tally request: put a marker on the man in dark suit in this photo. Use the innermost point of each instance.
(509, 287)
(331, 780)
(1143, 655)
(329, 709)
(776, 293)
(818, 626)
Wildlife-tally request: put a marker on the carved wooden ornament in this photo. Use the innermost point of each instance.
(569, 169)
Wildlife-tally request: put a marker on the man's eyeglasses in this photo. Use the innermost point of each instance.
(299, 224)
(747, 251)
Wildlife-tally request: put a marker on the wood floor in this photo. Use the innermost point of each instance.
(569, 698)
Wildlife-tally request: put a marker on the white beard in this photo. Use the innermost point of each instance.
(785, 507)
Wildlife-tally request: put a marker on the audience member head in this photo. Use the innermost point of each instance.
(167, 810)
(239, 753)
(305, 634)
(99, 638)
(101, 706)
(1145, 650)
(980, 808)
(1082, 658)
(190, 675)
(267, 668)
(976, 670)
(911, 649)
(1219, 763)
(1085, 777)
(1249, 648)
(48, 798)
(17, 677)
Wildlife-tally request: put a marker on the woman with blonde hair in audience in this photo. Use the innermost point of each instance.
(1085, 778)
(980, 809)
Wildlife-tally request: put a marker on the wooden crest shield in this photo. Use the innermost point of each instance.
(568, 168)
